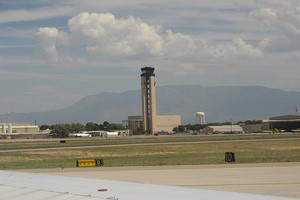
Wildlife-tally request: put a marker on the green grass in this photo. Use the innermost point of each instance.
(13, 144)
(263, 151)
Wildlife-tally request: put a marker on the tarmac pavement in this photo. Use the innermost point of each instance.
(277, 179)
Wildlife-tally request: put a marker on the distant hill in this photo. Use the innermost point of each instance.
(220, 104)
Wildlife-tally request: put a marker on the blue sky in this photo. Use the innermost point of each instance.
(53, 53)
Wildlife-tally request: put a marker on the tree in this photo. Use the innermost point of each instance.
(105, 124)
(77, 127)
(253, 122)
(115, 127)
(138, 131)
(60, 130)
(181, 128)
(175, 129)
(44, 127)
(91, 126)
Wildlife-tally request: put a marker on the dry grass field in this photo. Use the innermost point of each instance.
(156, 151)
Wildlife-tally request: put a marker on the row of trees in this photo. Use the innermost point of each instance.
(197, 127)
(63, 130)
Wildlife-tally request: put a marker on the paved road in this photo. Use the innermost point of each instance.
(279, 179)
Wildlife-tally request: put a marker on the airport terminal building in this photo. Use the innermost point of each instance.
(286, 122)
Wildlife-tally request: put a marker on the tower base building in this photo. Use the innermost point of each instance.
(165, 123)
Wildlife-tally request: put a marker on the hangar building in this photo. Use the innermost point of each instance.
(18, 128)
(21, 131)
(285, 122)
(223, 129)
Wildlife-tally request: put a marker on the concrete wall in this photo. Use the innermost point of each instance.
(134, 122)
(166, 123)
(252, 128)
(25, 129)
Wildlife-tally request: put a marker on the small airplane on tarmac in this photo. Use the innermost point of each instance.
(275, 130)
(296, 130)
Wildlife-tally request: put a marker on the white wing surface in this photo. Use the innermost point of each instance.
(31, 186)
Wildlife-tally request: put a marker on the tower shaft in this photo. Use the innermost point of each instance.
(148, 100)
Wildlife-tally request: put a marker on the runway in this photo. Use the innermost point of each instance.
(278, 179)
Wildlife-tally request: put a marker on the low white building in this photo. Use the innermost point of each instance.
(223, 129)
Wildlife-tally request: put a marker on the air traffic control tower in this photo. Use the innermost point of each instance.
(148, 100)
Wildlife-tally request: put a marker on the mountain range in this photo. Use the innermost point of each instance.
(219, 103)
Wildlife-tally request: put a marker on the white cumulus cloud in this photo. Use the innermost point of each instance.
(95, 36)
(47, 42)
(241, 47)
(285, 22)
(103, 33)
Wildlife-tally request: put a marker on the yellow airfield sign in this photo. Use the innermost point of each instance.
(89, 163)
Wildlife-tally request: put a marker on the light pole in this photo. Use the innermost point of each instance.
(231, 125)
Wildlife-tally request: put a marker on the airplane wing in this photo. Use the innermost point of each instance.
(21, 185)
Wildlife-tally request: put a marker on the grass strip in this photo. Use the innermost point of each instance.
(260, 151)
